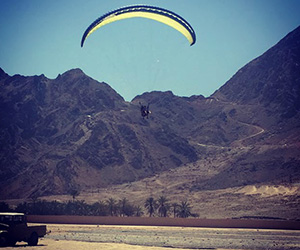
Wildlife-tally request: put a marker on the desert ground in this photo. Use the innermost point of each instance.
(107, 237)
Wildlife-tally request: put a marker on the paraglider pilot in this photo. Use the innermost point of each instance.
(145, 110)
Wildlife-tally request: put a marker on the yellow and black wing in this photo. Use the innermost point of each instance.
(161, 15)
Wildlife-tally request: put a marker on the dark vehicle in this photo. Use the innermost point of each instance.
(13, 228)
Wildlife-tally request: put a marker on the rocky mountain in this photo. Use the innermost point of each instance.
(73, 132)
(270, 82)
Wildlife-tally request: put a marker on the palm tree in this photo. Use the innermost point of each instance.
(184, 210)
(163, 206)
(123, 205)
(150, 205)
(112, 206)
(125, 208)
(4, 207)
(99, 208)
(74, 192)
(138, 211)
(174, 208)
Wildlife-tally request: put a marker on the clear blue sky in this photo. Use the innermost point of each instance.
(139, 55)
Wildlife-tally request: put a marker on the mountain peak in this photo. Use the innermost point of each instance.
(293, 37)
(271, 80)
(2, 73)
(73, 72)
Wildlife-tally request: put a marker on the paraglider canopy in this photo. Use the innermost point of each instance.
(159, 14)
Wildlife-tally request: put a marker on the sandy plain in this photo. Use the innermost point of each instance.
(83, 237)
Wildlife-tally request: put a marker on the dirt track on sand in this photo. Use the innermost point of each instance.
(78, 245)
(82, 237)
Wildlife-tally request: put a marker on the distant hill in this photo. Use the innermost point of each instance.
(73, 132)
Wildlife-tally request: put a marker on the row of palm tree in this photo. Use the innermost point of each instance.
(162, 207)
(110, 207)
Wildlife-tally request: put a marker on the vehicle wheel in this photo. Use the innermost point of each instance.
(3, 240)
(11, 243)
(33, 240)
